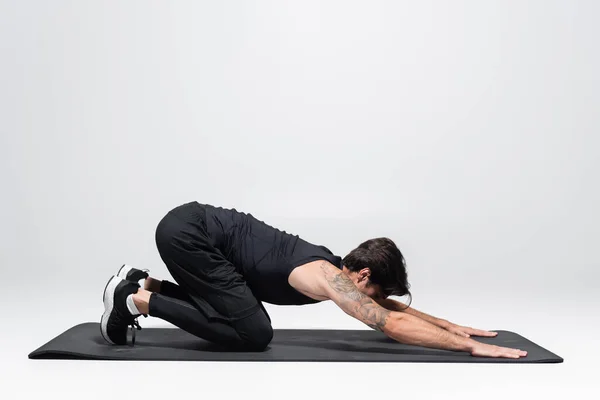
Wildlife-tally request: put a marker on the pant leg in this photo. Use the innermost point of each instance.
(171, 289)
(187, 317)
(212, 283)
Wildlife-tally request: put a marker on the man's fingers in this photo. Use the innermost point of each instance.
(460, 332)
(509, 352)
(485, 333)
(480, 332)
(485, 350)
(514, 352)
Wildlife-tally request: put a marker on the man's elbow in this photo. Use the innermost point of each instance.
(393, 322)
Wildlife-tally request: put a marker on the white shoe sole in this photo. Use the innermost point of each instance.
(108, 299)
(124, 270)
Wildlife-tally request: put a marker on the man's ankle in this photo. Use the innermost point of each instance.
(152, 285)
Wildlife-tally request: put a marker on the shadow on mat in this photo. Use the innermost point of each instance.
(371, 347)
(194, 344)
(363, 347)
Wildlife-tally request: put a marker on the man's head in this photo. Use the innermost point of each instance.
(378, 269)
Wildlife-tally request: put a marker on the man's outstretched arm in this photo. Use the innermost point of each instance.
(327, 281)
(404, 328)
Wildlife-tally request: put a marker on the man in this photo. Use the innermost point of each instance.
(226, 263)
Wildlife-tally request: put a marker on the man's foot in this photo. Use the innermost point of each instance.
(132, 274)
(117, 317)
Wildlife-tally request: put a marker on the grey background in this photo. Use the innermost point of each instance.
(466, 131)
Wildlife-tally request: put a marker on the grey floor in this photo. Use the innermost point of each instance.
(566, 326)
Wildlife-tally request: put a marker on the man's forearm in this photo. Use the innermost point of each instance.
(409, 329)
(394, 305)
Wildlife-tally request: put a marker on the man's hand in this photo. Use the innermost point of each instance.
(490, 350)
(466, 331)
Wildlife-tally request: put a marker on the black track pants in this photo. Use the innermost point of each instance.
(211, 299)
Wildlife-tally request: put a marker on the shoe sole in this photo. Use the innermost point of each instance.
(123, 272)
(108, 299)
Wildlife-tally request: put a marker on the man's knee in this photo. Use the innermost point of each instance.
(260, 339)
(255, 331)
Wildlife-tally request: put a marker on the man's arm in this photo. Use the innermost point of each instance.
(395, 305)
(325, 280)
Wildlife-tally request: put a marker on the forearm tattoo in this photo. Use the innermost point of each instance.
(353, 301)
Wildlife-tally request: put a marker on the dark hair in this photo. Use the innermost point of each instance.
(386, 262)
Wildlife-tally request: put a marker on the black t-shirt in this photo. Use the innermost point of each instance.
(264, 255)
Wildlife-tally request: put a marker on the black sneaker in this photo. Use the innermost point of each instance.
(132, 274)
(117, 318)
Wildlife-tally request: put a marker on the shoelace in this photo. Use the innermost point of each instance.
(135, 324)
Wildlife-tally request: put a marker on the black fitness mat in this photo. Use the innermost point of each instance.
(84, 341)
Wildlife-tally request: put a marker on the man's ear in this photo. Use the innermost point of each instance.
(364, 273)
